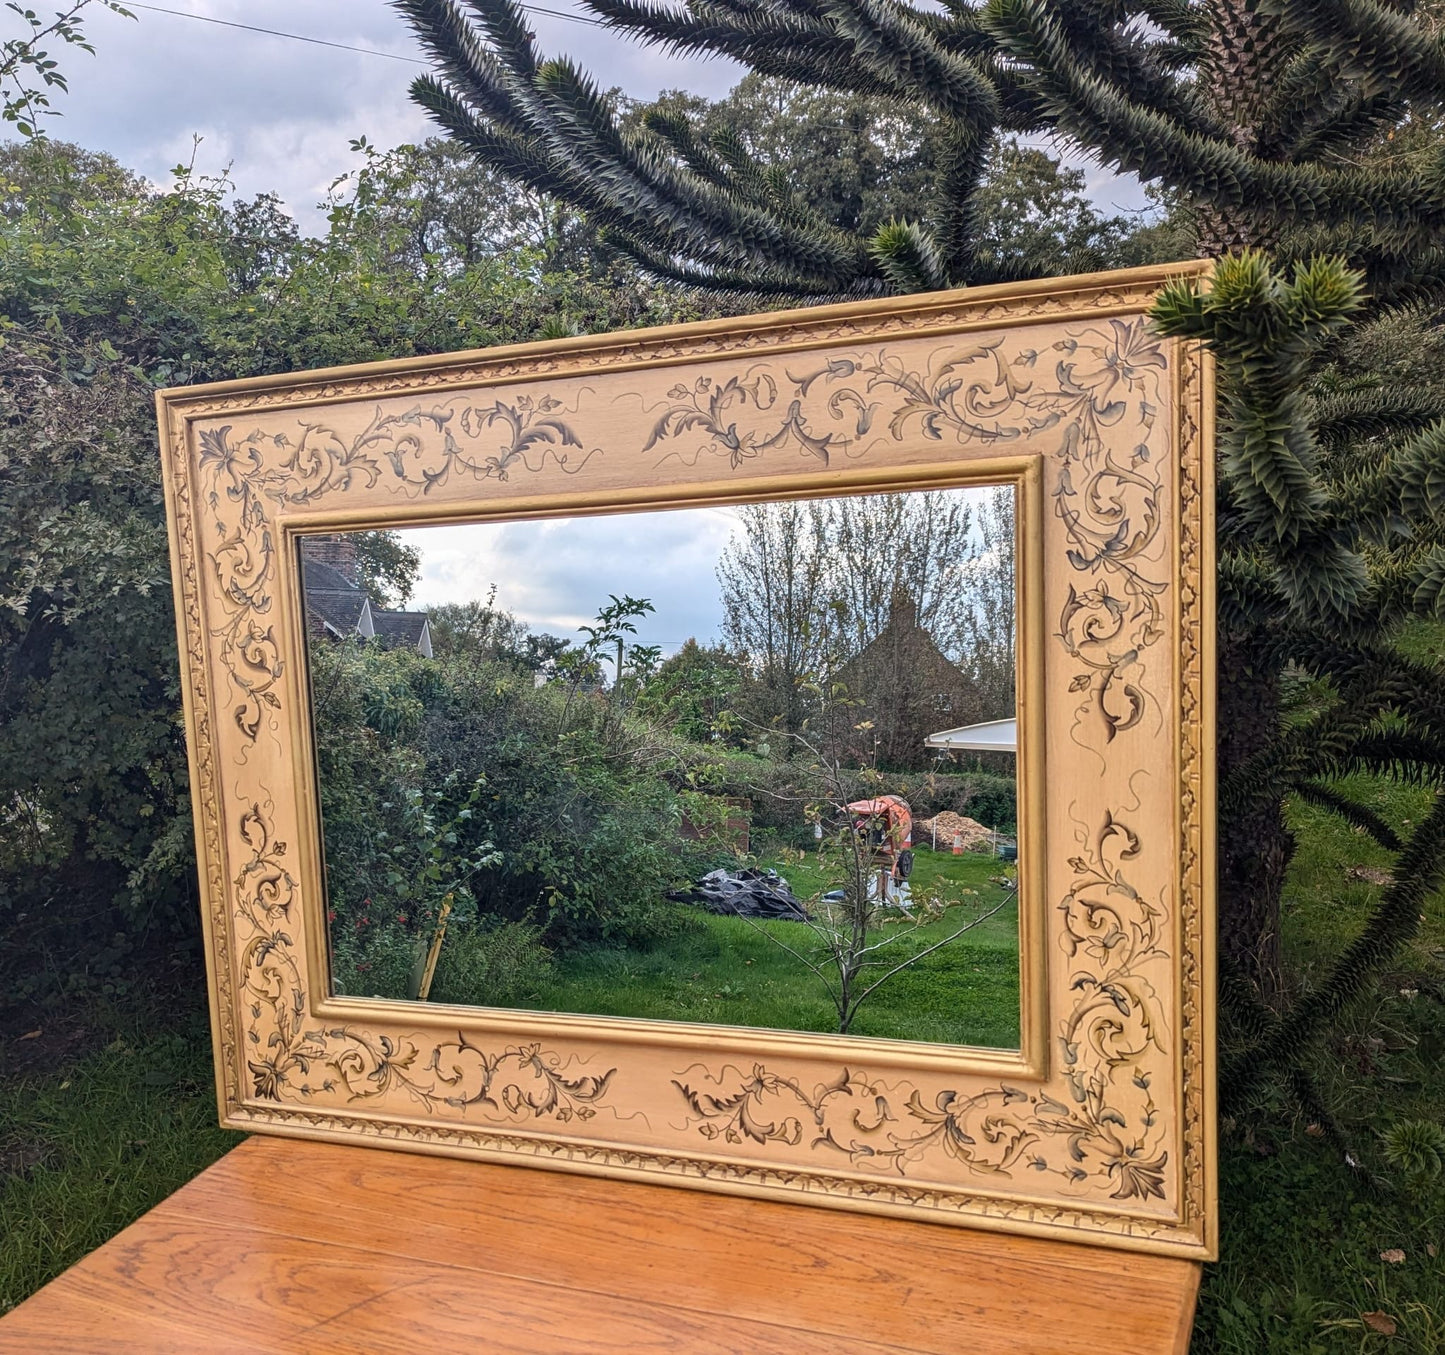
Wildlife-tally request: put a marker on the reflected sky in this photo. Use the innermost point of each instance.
(555, 575)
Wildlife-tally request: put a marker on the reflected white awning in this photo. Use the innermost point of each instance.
(993, 736)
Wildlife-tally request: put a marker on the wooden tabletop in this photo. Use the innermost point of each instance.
(291, 1246)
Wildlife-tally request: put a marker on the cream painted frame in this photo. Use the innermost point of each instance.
(1023, 475)
(1101, 1127)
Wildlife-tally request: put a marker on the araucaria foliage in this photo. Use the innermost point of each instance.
(1300, 142)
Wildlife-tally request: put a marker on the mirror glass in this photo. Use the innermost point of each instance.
(751, 765)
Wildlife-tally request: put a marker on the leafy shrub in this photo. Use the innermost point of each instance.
(110, 287)
(374, 956)
(586, 827)
(425, 764)
(690, 691)
(492, 964)
(481, 962)
(796, 837)
(95, 851)
(992, 800)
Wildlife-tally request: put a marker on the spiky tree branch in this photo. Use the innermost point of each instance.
(670, 201)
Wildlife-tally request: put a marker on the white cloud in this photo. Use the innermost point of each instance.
(555, 575)
(281, 113)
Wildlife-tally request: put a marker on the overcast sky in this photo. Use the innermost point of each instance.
(281, 112)
(556, 575)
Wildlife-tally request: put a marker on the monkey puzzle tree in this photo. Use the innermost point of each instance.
(1303, 136)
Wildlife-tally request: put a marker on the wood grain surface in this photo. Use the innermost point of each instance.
(292, 1246)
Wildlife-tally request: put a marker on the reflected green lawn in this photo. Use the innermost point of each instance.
(734, 972)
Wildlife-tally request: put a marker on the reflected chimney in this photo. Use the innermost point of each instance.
(902, 610)
(337, 549)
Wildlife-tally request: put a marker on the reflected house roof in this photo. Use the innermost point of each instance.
(333, 603)
(900, 683)
(992, 736)
(338, 607)
(404, 628)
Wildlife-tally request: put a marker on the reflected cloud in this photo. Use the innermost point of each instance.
(555, 575)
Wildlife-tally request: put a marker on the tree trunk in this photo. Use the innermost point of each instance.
(1255, 847)
(1245, 61)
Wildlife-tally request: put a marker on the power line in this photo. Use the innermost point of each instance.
(342, 46)
(374, 51)
(275, 33)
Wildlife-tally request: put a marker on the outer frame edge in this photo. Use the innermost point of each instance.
(176, 405)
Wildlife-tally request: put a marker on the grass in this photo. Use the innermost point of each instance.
(86, 1147)
(86, 1150)
(1301, 1271)
(734, 972)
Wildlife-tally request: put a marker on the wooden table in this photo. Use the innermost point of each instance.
(290, 1246)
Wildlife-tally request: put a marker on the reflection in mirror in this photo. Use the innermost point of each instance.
(750, 765)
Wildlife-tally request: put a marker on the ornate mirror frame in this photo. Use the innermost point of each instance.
(1100, 1127)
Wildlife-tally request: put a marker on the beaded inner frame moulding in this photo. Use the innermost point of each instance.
(1099, 1128)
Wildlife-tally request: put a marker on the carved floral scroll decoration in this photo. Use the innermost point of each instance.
(1097, 380)
(416, 451)
(1111, 932)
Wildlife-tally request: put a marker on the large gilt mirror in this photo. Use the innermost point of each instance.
(770, 755)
